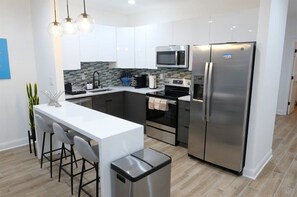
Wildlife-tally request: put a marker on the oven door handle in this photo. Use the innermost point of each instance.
(171, 102)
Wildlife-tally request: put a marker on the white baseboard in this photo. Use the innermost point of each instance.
(281, 112)
(13, 144)
(254, 172)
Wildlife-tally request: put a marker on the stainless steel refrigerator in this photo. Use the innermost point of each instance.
(220, 103)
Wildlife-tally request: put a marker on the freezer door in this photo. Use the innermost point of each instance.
(196, 137)
(229, 103)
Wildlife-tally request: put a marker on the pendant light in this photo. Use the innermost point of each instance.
(69, 26)
(55, 28)
(85, 22)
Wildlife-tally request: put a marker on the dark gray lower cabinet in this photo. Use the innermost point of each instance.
(183, 123)
(135, 107)
(112, 103)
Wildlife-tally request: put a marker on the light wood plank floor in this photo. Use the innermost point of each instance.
(21, 175)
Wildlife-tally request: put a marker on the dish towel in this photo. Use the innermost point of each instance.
(164, 105)
(151, 103)
(157, 103)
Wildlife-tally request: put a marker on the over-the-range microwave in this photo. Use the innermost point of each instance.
(173, 56)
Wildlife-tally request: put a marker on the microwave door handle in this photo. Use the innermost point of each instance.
(205, 102)
(209, 91)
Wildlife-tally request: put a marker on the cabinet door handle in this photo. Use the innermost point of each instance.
(186, 127)
(187, 109)
(109, 100)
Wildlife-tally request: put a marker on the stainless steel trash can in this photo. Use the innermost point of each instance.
(145, 173)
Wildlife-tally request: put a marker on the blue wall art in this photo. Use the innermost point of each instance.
(4, 62)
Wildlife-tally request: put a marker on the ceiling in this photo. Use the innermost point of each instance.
(122, 6)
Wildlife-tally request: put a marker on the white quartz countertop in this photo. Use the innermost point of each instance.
(94, 124)
(185, 98)
(113, 90)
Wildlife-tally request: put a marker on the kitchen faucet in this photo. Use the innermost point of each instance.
(96, 84)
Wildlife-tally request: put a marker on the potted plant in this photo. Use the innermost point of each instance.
(33, 100)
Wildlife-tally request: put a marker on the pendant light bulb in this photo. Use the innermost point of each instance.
(55, 28)
(85, 22)
(69, 26)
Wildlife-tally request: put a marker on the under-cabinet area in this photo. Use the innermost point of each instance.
(127, 105)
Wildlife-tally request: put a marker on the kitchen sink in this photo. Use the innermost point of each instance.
(100, 90)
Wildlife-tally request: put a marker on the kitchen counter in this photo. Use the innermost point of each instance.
(185, 98)
(113, 90)
(116, 137)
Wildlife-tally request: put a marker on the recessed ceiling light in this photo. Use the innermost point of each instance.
(131, 2)
(250, 30)
(210, 21)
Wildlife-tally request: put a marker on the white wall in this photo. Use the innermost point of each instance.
(44, 48)
(270, 43)
(15, 23)
(287, 65)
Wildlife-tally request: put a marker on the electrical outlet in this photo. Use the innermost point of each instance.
(83, 77)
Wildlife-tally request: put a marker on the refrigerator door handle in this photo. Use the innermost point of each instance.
(205, 91)
(208, 91)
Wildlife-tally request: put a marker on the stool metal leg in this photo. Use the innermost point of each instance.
(71, 166)
(81, 177)
(34, 148)
(29, 137)
(61, 158)
(42, 151)
(75, 160)
(51, 154)
(97, 179)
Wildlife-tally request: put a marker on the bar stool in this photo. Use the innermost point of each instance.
(91, 155)
(46, 129)
(67, 138)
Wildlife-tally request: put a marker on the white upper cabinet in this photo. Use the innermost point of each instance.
(201, 31)
(140, 47)
(70, 52)
(151, 44)
(183, 32)
(108, 44)
(157, 35)
(246, 26)
(221, 29)
(125, 47)
(98, 45)
(235, 27)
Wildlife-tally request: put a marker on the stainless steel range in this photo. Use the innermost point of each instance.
(162, 109)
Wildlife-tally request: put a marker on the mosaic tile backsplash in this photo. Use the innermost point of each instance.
(111, 76)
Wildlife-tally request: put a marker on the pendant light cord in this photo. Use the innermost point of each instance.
(67, 10)
(55, 11)
(85, 12)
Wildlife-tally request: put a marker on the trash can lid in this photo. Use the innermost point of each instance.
(131, 168)
(152, 157)
(140, 164)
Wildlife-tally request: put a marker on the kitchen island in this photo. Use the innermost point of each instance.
(116, 137)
